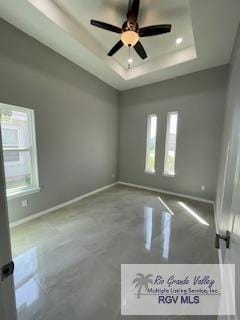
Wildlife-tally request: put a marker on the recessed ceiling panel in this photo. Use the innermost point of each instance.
(174, 12)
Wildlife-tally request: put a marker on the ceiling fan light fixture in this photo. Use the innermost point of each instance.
(130, 38)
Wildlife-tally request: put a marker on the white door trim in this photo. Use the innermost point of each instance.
(7, 292)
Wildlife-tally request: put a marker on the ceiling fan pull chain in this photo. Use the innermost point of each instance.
(129, 57)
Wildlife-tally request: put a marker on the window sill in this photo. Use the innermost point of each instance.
(150, 172)
(169, 175)
(22, 193)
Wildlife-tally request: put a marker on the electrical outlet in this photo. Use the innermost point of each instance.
(203, 188)
(24, 203)
(113, 175)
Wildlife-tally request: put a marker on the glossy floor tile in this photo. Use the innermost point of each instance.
(68, 262)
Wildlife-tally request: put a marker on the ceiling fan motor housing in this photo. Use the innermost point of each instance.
(129, 26)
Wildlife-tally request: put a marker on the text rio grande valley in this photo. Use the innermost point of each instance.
(202, 286)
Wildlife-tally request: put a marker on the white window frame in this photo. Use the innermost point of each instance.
(165, 172)
(12, 163)
(34, 187)
(148, 141)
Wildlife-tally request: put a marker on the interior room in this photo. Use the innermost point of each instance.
(120, 131)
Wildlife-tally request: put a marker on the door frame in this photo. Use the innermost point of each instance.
(7, 291)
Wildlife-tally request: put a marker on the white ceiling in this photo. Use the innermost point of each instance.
(208, 29)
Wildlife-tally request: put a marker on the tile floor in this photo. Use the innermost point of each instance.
(68, 262)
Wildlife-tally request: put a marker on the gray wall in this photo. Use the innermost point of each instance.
(76, 120)
(200, 100)
(77, 125)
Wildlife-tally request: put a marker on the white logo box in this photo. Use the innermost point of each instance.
(177, 289)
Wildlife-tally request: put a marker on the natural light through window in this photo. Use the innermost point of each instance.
(193, 213)
(148, 215)
(165, 205)
(151, 143)
(166, 232)
(171, 141)
(19, 149)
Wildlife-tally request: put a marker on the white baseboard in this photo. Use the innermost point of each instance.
(62, 205)
(167, 192)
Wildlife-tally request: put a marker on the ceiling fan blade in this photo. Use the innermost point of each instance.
(133, 10)
(117, 46)
(140, 50)
(155, 30)
(106, 26)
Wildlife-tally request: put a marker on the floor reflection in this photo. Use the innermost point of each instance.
(193, 213)
(166, 206)
(148, 216)
(26, 269)
(166, 231)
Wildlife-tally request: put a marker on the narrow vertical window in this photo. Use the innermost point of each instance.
(151, 143)
(171, 141)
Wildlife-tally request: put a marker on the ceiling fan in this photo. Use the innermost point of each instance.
(130, 31)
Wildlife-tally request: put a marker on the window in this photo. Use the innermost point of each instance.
(170, 147)
(151, 143)
(10, 138)
(19, 149)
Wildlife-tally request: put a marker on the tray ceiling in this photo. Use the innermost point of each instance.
(207, 29)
